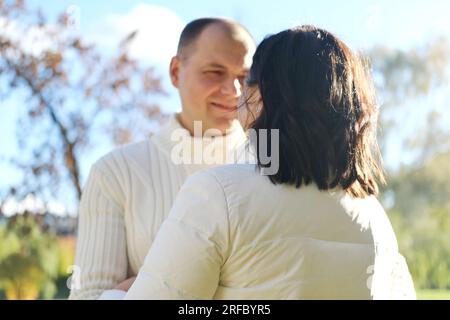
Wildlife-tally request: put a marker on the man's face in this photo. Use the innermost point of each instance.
(210, 78)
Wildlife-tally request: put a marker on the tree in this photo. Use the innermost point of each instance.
(403, 77)
(420, 215)
(71, 97)
(417, 195)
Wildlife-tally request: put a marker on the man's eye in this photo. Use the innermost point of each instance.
(214, 72)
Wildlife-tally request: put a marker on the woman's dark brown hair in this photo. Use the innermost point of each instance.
(320, 96)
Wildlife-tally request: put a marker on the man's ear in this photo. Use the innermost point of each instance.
(175, 70)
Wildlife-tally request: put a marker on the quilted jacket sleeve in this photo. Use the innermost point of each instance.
(185, 259)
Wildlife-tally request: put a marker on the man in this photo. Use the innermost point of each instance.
(130, 191)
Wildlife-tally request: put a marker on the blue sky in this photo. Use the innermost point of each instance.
(362, 24)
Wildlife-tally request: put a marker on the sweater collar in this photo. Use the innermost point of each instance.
(177, 142)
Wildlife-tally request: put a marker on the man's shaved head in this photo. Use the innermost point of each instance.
(193, 29)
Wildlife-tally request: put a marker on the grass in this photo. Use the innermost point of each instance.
(431, 294)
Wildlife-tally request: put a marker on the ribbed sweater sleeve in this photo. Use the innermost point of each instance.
(101, 255)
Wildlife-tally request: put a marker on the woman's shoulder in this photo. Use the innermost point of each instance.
(230, 174)
(369, 213)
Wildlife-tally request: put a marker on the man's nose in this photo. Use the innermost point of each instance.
(232, 87)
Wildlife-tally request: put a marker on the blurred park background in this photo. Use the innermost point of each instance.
(79, 78)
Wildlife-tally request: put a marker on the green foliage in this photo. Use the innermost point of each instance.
(418, 196)
(421, 218)
(29, 259)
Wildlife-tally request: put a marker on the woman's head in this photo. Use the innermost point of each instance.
(308, 84)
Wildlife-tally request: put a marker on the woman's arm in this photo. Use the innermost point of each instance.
(101, 245)
(186, 257)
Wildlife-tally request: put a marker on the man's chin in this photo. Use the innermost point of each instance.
(221, 124)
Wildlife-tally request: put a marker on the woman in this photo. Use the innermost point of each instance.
(312, 229)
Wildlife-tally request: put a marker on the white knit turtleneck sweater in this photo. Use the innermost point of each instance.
(128, 195)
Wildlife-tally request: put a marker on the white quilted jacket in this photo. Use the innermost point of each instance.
(232, 234)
